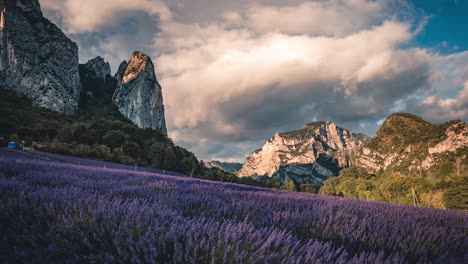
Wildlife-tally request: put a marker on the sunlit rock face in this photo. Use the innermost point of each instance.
(408, 144)
(138, 95)
(305, 146)
(36, 58)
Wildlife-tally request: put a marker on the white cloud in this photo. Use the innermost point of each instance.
(442, 110)
(329, 18)
(233, 77)
(89, 15)
(216, 65)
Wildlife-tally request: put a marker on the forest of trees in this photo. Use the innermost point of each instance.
(389, 186)
(103, 135)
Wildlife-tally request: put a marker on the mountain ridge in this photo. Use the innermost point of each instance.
(406, 142)
(412, 162)
(304, 146)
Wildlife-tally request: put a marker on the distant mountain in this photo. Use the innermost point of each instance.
(323, 146)
(230, 167)
(406, 143)
(410, 161)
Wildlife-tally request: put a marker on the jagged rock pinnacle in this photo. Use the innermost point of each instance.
(99, 67)
(139, 95)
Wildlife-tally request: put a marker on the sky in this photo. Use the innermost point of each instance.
(235, 72)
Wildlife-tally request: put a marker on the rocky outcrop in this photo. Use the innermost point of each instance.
(456, 138)
(100, 68)
(305, 146)
(230, 167)
(121, 70)
(314, 174)
(98, 85)
(36, 59)
(409, 145)
(138, 95)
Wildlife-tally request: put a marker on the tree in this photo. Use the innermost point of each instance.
(155, 155)
(99, 128)
(65, 134)
(289, 185)
(130, 148)
(113, 139)
(456, 196)
(306, 187)
(170, 159)
(102, 152)
(330, 186)
(80, 133)
(355, 172)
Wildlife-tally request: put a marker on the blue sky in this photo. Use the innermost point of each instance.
(447, 27)
(235, 72)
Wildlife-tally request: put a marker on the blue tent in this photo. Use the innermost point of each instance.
(12, 145)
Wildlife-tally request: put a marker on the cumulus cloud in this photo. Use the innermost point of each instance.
(90, 15)
(332, 18)
(233, 82)
(233, 73)
(447, 96)
(443, 110)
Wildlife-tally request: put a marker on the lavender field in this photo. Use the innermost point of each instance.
(64, 212)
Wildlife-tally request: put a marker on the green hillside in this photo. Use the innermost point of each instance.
(402, 164)
(96, 131)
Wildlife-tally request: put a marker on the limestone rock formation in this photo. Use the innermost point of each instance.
(138, 95)
(406, 143)
(121, 70)
(314, 174)
(305, 146)
(97, 84)
(100, 68)
(36, 58)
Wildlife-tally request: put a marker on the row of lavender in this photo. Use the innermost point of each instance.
(58, 212)
(37, 155)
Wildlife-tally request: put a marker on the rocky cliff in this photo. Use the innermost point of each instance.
(315, 174)
(99, 67)
(138, 94)
(306, 146)
(98, 85)
(36, 59)
(408, 144)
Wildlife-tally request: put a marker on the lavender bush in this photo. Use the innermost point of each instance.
(61, 212)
